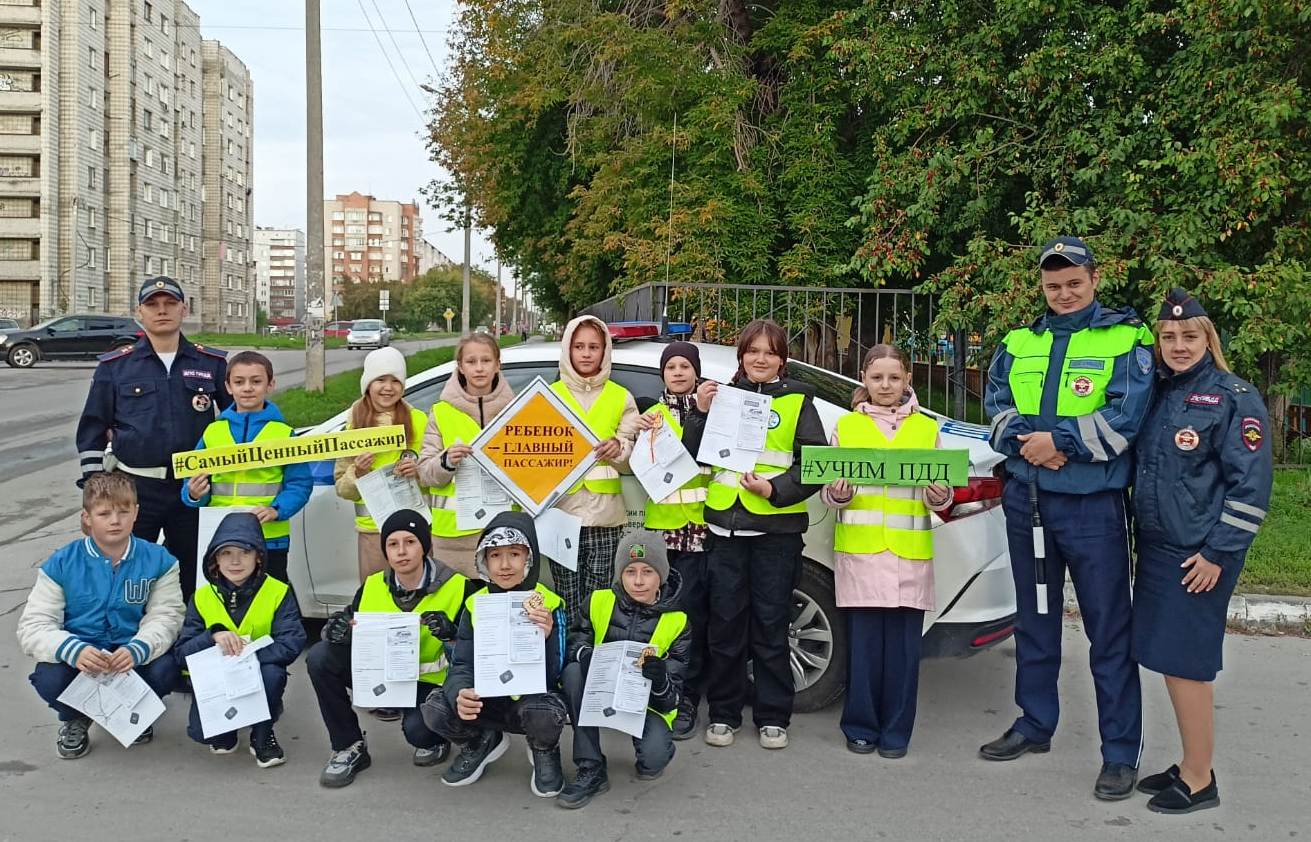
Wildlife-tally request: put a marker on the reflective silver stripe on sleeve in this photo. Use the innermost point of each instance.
(362, 510)
(1118, 443)
(601, 472)
(246, 489)
(1088, 434)
(999, 425)
(1245, 509)
(97, 455)
(1237, 523)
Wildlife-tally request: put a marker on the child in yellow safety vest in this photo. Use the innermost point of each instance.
(242, 603)
(883, 559)
(473, 396)
(275, 493)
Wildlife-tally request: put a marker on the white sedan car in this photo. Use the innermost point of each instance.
(975, 595)
(368, 333)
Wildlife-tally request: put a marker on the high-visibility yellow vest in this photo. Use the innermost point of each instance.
(453, 425)
(258, 621)
(601, 606)
(253, 486)
(603, 420)
(1085, 372)
(886, 517)
(775, 460)
(377, 598)
(418, 423)
(687, 504)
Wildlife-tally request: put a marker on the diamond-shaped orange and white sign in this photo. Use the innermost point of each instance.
(537, 448)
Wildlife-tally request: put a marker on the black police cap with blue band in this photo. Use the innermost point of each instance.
(163, 284)
(1179, 304)
(1072, 250)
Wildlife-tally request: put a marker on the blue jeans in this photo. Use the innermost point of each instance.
(52, 679)
(275, 682)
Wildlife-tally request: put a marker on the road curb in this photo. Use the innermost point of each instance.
(1253, 613)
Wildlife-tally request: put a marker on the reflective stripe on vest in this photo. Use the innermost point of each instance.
(603, 420)
(258, 621)
(377, 599)
(726, 486)
(454, 426)
(251, 487)
(418, 423)
(886, 517)
(687, 504)
(1085, 372)
(601, 607)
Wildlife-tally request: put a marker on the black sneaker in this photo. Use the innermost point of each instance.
(474, 757)
(344, 765)
(74, 741)
(432, 756)
(264, 746)
(685, 722)
(548, 776)
(1159, 782)
(590, 781)
(1177, 798)
(145, 736)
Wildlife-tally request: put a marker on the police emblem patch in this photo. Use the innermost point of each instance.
(774, 420)
(1253, 433)
(201, 402)
(1143, 357)
(1187, 439)
(1082, 386)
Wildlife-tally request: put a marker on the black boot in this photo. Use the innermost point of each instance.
(548, 777)
(590, 781)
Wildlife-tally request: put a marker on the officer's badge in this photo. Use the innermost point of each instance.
(1253, 433)
(774, 420)
(1187, 439)
(201, 402)
(1082, 386)
(1143, 357)
(637, 552)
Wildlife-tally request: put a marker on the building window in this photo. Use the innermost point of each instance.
(94, 18)
(93, 58)
(92, 98)
(147, 119)
(91, 177)
(149, 11)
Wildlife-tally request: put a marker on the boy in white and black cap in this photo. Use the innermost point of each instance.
(642, 605)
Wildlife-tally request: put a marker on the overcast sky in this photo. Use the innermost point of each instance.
(373, 137)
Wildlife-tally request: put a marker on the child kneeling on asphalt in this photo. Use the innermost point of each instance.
(641, 606)
(507, 559)
(106, 603)
(242, 604)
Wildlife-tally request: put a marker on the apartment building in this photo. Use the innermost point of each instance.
(280, 272)
(367, 240)
(227, 286)
(431, 257)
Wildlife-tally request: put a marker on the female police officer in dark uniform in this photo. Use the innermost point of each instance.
(1204, 475)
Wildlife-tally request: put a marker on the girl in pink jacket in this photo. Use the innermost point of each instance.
(883, 559)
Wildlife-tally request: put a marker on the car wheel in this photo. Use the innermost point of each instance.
(817, 639)
(22, 356)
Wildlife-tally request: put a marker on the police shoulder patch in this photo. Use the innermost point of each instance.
(116, 354)
(217, 353)
(1143, 357)
(1252, 432)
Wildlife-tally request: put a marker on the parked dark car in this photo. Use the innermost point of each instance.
(77, 337)
(10, 324)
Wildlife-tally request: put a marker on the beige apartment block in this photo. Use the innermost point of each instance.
(227, 285)
(280, 272)
(367, 240)
(431, 257)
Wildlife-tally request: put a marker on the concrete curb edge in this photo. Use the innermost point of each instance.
(1254, 613)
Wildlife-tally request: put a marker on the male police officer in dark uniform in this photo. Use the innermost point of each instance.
(1067, 397)
(148, 402)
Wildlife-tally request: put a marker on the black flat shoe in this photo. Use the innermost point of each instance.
(1115, 782)
(1176, 798)
(1011, 745)
(1159, 782)
(892, 753)
(861, 747)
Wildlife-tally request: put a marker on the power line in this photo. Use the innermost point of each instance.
(301, 28)
(387, 57)
(424, 41)
(399, 52)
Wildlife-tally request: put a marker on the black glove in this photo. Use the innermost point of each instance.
(656, 670)
(337, 630)
(439, 625)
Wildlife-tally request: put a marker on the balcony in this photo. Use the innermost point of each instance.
(19, 58)
(29, 101)
(20, 186)
(22, 14)
(20, 270)
(19, 144)
(23, 227)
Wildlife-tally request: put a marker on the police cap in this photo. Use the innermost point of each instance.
(163, 284)
(1179, 304)
(1070, 250)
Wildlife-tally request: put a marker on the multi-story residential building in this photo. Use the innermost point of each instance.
(371, 241)
(280, 272)
(227, 217)
(431, 257)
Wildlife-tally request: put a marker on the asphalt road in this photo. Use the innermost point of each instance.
(39, 408)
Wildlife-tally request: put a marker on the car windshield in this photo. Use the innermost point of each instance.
(367, 324)
(831, 387)
(47, 323)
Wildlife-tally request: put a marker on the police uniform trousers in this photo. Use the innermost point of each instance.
(51, 680)
(540, 717)
(1086, 534)
(1175, 632)
(883, 674)
(275, 682)
(162, 509)
(654, 749)
(694, 600)
(329, 667)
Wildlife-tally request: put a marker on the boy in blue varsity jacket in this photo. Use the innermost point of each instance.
(106, 603)
(241, 604)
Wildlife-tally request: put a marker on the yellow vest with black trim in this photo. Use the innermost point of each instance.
(775, 460)
(1085, 372)
(687, 504)
(258, 621)
(253, 486)
(377, 599)
(418, 423)
(453, 425)
(601, 607)
(886, 517)
(602, 419)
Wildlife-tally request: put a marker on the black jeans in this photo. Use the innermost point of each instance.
(539, 717)
(694, 597)
(330, 672)
(162, 509)
(750, 594)
(654, 749)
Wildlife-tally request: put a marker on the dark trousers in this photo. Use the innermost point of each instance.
(52, 679)
(277, 564)
(654, 749)
(750, 594)
(539, 717)
(596, 569)
(883, 674)
(330, 672)
(695, 598)
(1085, 533)
(162, 509)
(275, 682)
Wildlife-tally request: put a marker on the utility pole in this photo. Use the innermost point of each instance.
(468, 236)
(496, 325)
(314, 199)
(514, 304)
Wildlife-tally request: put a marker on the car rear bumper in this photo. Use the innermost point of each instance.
(960, 640)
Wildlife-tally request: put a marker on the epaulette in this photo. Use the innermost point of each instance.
(1239, 387)
(116, 354)
(217, 353)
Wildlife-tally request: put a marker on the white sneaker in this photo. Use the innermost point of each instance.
(719, 734)
(774, 737)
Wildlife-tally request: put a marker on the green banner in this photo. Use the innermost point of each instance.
(884, 466)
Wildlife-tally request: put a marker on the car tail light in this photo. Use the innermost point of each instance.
(992, 637)
(981, 494)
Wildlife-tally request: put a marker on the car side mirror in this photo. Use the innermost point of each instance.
(50, 331)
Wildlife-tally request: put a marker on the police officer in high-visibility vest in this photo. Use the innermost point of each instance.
(240, 604)
(147, 402)
(641, 606)
(414, 582)
(472, 397)
(1067, 396)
